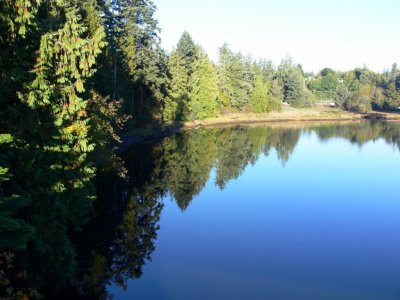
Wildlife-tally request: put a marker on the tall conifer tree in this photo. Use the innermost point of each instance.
(203, 89)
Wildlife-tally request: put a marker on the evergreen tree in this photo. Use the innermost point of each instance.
(293, 83)
(276, 95)
(150, 59)
(293, 88)
(47, 140)
(265, 69)
(134, 66)
(361, 100)
(225, 75)
(259, 99)
(180, 67)
(175, 104)
(363, 89)
(342, 96)
(236, 77)
(203, 89)
(187, 49)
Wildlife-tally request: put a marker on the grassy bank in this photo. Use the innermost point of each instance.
(288, 116)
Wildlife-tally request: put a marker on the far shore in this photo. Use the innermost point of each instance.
(288, 114)
(287, 117)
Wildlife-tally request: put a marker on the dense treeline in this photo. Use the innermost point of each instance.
(74, 74)
(56, 130)
(71, 72)
(360, 89)
(198, 88)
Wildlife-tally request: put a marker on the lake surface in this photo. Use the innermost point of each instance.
(261, 212)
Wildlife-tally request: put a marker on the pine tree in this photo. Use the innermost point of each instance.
(259, 100)
(203, 89)
(187, 49)
(175, 104)
(180, 67)
(342, 96)
(150, 59)
(236, 76)
(225, 76)
(276, 95)
(133, 67)
(46, 173)
(294, 90)
(293, 83)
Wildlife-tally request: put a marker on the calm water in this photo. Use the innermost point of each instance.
(276, 212)
(262, 213)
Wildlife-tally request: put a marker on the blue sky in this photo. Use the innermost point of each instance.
(340, 34)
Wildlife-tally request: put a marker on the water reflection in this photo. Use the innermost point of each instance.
(120, 239)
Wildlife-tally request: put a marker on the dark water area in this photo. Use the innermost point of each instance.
(244, 212)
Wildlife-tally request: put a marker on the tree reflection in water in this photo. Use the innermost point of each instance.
(120, 237)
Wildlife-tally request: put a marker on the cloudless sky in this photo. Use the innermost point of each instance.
(341, 34)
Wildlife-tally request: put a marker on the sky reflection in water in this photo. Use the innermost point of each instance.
(318, 219)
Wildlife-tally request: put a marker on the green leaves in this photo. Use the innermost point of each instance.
(79, 86)
(4, 171)
(19, 15)
(203, 88)
(236, 77)
(6, 138)
(259, 100)
(292, 80)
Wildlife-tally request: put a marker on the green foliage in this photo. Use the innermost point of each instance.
(292, 80)
(361, 100)
(203, 89)
(276, 95)
(53, 132)
(363, 89)
(105, 123)
(294, 91)
(265, 69)
(392, 96)
(19, 17)
(64, 64)
(324, 86)
(133, 67)
(150, 59)
(180, 65)
(236, 76)
(189, 52)
(175, 104)
(326, 71)
(259, 100)
(378, 99)
(342, 96)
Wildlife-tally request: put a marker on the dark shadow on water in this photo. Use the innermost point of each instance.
(119, 239)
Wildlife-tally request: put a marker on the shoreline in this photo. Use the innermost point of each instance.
(293, 115)
(288, 117)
